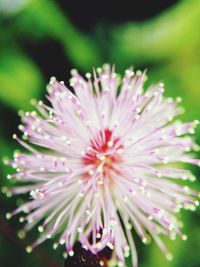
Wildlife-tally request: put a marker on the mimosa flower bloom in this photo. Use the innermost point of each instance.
(109, 156)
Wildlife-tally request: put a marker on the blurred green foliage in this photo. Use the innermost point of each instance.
(167, 45)
(20, 79)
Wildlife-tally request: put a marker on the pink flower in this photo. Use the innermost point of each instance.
(109, 162)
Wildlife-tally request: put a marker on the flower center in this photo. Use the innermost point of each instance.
(103, 155)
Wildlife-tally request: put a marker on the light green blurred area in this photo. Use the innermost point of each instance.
(167, 45)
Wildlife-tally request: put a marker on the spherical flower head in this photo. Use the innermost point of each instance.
(109, 156)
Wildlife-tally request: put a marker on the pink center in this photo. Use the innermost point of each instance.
(104, 153)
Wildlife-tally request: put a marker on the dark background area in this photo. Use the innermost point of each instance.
(111, 13)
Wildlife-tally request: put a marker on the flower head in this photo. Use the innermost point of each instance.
(109, 162)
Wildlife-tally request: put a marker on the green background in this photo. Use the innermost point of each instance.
(168, 45)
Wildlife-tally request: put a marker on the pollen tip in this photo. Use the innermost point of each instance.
(40, 228)
(79, 230)
(161, 84)
(33, 101)
(64, 255)
(9, 176)
(62, 241)
(169, 256)
(74, 72)
(4, 189)
(98, 235)
(120, 264)
(21, 234)
(110, 245)
(21, 113)
(21, 219)
(85, 247)
(5, 160)
(178, 99)
(21, 127)
(8, 215)
(55, 246)
(144, 240)
(71, 253)
(184, 237)
(14, 136)
(99, 70)
(49, 236)
(128, 226)
(129, 73)
(52, 80)
(88, 75)
(29, 249)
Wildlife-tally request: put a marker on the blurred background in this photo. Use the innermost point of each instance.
(44, 38)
